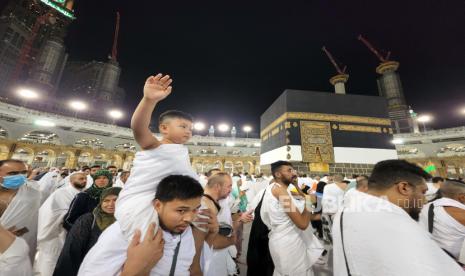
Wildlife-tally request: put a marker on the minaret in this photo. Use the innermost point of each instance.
(341, 78)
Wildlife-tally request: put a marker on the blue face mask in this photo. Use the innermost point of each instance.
(13, 182)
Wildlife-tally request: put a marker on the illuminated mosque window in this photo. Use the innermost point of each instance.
(405, 151)
(3, 133)
(40, 137)
(453, 148)
(208, 152)
(89, 142)
(126, 147)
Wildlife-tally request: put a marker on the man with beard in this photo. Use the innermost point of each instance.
(50, 234)
(176, 203)
(376, 232)
(293, 247)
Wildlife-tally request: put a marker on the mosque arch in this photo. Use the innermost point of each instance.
(197, 165)
(3, 133)
(85, 159)
(127, 164)
(218, 165)
(239, 167)
(44, 158)
(65, 159)
(249, 167)
(25, 154)
(117, 161)
(4, 151)
(228, 166)
(101, 159)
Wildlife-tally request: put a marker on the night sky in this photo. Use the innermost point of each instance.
(231, 59)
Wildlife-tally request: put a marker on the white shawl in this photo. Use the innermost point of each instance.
(134, 208)
(380, 238)
(23, 212)
(447, 232)
(221, 262)
(50, 232)
(293, 251)
(47, 184)
(14, 261)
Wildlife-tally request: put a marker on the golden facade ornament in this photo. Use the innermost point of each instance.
(316, 142)
(326, 118)
(358, 128)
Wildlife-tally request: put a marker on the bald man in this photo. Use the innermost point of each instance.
(51, 235)
(444, 218)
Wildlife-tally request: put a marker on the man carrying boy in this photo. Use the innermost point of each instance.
(156, 161)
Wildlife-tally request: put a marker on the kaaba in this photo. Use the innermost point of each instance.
(320, 132)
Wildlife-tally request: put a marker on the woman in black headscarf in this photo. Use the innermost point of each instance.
(86, 201)
(85, 232)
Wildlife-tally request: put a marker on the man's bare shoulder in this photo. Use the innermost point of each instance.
(457, 213)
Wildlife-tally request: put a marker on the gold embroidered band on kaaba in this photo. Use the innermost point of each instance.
(327, 118)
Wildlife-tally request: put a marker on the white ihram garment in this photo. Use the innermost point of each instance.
(47, 185)
(51, 235)
(380, 238)
(293, 250)
(22, 212)
(447, 231)
(221, 262)
(14, 261)
(134, 210)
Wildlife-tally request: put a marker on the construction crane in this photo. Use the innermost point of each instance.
(386, 65)
(373, 49)
(341, 78)
(333, 61)
(114, 51)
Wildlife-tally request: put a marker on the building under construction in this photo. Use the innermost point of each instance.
(31, 48)
(389, 87)
(33, 55)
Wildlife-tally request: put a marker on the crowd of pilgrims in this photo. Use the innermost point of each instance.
(161, 218)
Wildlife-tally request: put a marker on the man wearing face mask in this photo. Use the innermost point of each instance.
(19, 202)
(51, 235)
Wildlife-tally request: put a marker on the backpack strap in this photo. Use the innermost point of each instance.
(342, 241)
(430, 217)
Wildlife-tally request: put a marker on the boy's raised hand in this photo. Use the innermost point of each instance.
(157, 87)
